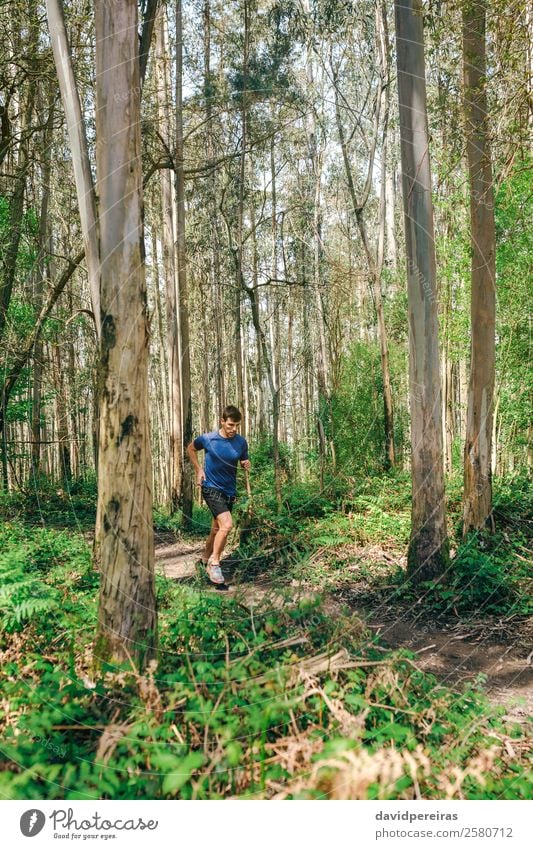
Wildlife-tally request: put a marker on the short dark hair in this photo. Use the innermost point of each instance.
(231, 412)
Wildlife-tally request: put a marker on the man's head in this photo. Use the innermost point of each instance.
(229, 423)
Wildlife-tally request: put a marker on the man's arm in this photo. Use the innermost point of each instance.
(192, 454)
(245, 462)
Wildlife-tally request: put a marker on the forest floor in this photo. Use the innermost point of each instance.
(322, 667)
(496, 652)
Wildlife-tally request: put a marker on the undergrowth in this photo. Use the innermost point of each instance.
(263, 701)
(276, 699)
(66, 505)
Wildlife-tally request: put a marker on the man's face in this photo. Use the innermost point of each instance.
(229, 427)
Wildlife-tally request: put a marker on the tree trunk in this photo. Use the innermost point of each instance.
(169, 269)
(127, 609)
(273, 372)
(78, 145)
(240, 235)
(164, 378)
(8, 263)
(183, 299)
(43, 273)
(216, 276)
(529, 67)
(477, 498)
(391, 251)
(322, 362)
(428, 547)
(73, 406)
(63, 439)
(150, 15)
(12, 236)
(37, 379)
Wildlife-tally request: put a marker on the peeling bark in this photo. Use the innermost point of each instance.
(127, 609)
(428, 547)
(477, 498)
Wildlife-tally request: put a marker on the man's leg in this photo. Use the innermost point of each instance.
(208, 550)
(225, 525)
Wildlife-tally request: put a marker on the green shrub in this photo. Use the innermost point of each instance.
(483, 577)
(23, 597)
(240, 683)
(200, 525)
(215, 718)
(52, 504)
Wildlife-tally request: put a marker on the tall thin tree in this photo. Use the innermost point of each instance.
(477, 499)
(428, 547)
(183, 309)
(114, 248)
(127, 611)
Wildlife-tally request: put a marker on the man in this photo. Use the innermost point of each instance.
(224, 449)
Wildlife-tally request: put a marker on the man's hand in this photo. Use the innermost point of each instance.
(191, 454)
(246, 465)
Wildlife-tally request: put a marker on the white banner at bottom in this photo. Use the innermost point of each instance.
(267, 825)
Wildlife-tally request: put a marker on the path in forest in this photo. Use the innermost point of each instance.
(176, 559)
(455, 651)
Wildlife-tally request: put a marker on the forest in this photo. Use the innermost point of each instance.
(319, 212)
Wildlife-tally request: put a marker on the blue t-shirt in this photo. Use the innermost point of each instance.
(222, 454)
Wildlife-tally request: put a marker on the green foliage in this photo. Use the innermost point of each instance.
(214, 717)
(395, 309)
(489, 573)
(165, 520)
(357, 425)
(226, 699)
(262, 454)
(30, 228)
(21, 317)
(23, 597)
(513, 502)
(305, 499)
(379, 524)
(358, 409)
(72, 504)
(483, 578)
(514, 212)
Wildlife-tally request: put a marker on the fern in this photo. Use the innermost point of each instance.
(23, 597)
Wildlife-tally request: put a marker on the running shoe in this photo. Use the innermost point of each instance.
(214, 573)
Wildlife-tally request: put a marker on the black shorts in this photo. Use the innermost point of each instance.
(217, 501)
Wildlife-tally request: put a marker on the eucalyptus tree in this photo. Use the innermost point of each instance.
(428, 546)
(477, 496)
(127, 614)
(113, 234)
(163, 119)
(185, 499)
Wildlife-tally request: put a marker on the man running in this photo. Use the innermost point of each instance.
(224, 449)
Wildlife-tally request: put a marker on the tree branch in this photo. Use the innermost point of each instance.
(23, 356)
(149, 9)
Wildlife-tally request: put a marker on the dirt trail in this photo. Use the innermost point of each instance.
(455, 652)
(175, 559)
